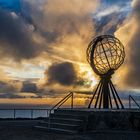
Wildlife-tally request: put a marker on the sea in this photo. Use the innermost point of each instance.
(9, 111)
(23, 111)
(19, 111)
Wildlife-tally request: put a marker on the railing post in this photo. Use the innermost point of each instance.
(14, 113)
(129, 102)
(49, 126)
(72, 100)
(31, 113)
(47, 113)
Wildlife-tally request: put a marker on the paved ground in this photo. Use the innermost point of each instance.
(22, 130)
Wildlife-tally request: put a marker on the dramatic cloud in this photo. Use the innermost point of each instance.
(62, 73)
(7, 88)
(29, 87)
(109, 15)
(66, 30)
(129, 33)
(64, 34)
(15, 37)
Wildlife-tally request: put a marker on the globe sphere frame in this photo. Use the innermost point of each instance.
(105, 54)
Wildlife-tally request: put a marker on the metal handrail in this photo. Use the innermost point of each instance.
(131, 98)
(14, 111)
(60, 103)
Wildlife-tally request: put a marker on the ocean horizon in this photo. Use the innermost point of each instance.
(35, 110)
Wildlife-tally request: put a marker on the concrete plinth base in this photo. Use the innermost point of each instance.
(89, 120)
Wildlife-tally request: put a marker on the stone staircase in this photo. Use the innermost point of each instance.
(75, 121)
(65, 121)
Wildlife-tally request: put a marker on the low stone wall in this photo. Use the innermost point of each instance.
(114, 120)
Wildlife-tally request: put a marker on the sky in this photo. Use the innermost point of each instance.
(43, 46)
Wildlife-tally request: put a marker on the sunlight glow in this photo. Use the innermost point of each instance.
(92, 78)
(88, 75)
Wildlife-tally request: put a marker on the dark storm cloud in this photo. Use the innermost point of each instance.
(15, 37)
(10, 95)
(62, 73)
(11, 90)
(7, 88)
(29, 87)
(133, 76)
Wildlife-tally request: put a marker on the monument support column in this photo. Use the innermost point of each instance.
(105, 93)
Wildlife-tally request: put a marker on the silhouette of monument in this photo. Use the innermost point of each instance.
(105, 55)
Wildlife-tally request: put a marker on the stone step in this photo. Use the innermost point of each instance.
(60, 125)
(68, 116)
(72, 111)
(57, 130)
(65, 121)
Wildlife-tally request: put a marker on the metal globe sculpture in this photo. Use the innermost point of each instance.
(105, 54)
